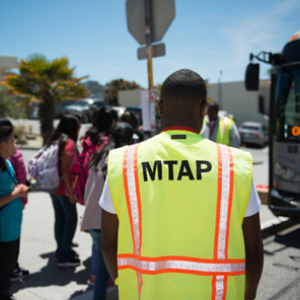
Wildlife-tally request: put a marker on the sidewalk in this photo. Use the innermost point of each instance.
(47, 281)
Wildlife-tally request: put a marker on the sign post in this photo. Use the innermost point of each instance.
(148, 21)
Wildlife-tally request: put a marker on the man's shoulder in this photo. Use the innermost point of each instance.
(240, 154)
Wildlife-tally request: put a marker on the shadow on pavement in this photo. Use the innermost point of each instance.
(288, 240)
(52, 275)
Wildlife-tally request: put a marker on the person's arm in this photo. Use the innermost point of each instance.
(254, 254)
(234, 136)
(20, 190)
(109, 242)
(20, 171)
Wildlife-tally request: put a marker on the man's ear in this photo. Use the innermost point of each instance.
(202, 110)
(160, 106)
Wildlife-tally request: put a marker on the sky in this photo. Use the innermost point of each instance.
(205, 36)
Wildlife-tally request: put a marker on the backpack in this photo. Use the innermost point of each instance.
(80, 168)
(43, 168)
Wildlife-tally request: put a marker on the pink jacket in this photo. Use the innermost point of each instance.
(18, 164)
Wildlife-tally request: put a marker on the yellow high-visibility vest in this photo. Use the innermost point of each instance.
(224, 130)
(180, 200)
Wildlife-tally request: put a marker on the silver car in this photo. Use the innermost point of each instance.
(86, 107)
(254, 133)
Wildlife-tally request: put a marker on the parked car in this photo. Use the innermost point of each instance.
(137, 110)
(86, 107)
(59, 109)
(254, 133)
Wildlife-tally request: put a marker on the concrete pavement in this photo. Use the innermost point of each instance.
(47, 281)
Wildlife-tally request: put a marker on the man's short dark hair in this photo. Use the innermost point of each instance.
(185, 85)
(6, 128)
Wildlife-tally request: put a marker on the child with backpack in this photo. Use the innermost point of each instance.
(65, 135)
(96, 137)
(10, 210)
(121, 135)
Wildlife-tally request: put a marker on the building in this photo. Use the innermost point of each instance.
(244, 105)
(6, 63)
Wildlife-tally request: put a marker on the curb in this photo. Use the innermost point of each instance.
(275, 225)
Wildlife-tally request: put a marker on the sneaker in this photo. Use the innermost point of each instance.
(75, 255)
(19, 274)
(74, 262)
(91, 281)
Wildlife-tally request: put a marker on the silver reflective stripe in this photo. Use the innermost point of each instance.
(131, 180)
(219, 287)
(133, 198)
(224, 126)
(224, 201)
(181, 265)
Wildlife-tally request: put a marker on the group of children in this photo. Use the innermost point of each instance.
(105, 134)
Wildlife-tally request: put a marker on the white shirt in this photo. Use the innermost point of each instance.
(254, 204)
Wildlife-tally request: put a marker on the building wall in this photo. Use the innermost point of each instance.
(129, 97)
(242, 104)
(7, 62)
(235, 99)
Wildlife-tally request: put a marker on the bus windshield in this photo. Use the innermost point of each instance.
(287, 105)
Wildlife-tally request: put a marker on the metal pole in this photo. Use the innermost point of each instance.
(148, 41)
(220, 92)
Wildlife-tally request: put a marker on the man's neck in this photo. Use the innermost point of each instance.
(196, 127)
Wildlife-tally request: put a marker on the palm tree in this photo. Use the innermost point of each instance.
(46, 82)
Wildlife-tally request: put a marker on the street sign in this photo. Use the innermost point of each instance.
(135, 13)
(162, 13)
(157, 50)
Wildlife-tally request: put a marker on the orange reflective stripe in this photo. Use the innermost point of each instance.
(224, 204)
(181, 258)
(213, 287)
(133, 199)
(229, 200)
(153, 267)
(218, 200)
(125, 180)
(137, 186)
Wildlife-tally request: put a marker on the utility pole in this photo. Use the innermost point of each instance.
(148, 43)
(220, 91)
(148, 19)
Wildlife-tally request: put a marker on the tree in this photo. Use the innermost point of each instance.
(9, 107)
(118, 85)
(46, 82)
(94, 87)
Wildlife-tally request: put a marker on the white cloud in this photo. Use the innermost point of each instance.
(258, 30)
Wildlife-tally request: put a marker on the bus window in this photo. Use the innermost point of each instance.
(287, 125)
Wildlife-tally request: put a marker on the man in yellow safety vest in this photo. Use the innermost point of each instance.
(180, 216)
(220, 129)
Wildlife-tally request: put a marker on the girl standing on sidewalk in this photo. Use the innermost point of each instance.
(121, 135)
(65, 135)
(10, 210)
